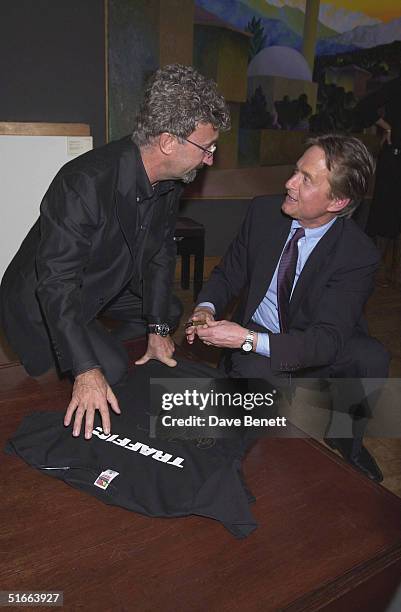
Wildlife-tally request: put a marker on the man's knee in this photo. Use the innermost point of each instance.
(248, 365)
(368, 357)
(380, 361)
(115, 367)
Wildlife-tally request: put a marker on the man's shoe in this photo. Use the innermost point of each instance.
(363, 461)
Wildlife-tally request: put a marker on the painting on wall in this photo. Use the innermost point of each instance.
(255, 50)
(356, 49)
(340, 28)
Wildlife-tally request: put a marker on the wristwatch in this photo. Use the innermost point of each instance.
(247, 345)
(161, 329)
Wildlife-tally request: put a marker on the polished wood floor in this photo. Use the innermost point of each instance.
(384, 317)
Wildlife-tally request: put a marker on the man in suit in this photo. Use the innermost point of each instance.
(304, 272)
(104, 244)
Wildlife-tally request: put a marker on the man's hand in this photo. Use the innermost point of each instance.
(199, 314)
(91, 392)
(223, 334)
(159, 348)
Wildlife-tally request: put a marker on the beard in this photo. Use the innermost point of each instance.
(188, 177)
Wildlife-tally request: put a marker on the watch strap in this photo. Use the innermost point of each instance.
(161, 329)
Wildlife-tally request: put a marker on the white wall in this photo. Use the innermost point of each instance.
(27, 166)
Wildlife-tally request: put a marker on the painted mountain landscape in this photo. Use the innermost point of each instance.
(340, 29)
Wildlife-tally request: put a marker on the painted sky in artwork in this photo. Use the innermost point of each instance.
(343, 26)
(383, 10)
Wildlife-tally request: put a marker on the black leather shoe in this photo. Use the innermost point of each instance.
(362, 461)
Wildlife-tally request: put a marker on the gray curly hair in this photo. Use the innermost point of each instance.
(177, 98)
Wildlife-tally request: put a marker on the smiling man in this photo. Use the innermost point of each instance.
(304, 272)
(104, 245)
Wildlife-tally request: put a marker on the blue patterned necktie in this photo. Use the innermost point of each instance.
(285, 277)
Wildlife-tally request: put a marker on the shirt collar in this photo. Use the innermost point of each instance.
(144, 189)
(313, 232)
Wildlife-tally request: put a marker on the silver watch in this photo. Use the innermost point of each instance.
(161, 329)
(247, 345)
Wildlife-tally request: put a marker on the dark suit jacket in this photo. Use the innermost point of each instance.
(79, 255)
(327, 302)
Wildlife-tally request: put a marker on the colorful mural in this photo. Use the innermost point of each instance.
(263, 62)
(340, 29)
(289, 88)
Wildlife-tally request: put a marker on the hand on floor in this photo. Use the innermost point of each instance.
(91, 392)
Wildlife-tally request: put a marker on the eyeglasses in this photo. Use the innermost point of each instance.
(209, 152)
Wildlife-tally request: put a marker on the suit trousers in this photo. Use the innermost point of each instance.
(108, 344)
(353, 381)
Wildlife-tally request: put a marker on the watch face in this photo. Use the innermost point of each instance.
(247, 347)
(163, 329)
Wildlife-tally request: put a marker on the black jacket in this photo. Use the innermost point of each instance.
(328, 299)
(79, 255)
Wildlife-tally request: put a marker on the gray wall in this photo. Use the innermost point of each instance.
(52, 62)
(221, 218)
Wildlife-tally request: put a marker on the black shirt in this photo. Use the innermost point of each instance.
(147, 197)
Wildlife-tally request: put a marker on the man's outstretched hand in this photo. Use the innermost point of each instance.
(91, 392)
(160, 348)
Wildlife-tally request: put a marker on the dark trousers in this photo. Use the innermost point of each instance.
(357, 369)
(108, 345)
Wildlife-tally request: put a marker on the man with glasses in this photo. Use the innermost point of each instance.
(104, 245)
(208, 152)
